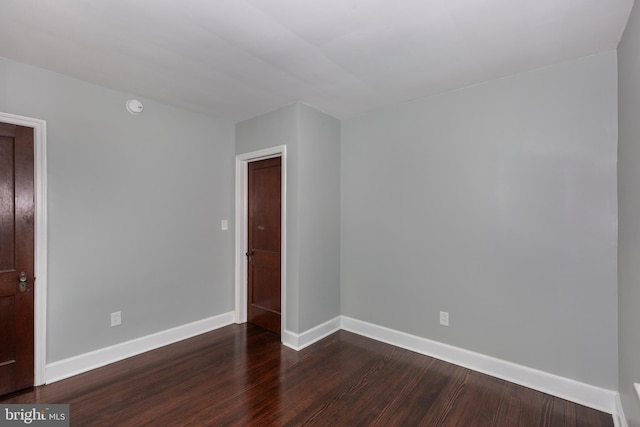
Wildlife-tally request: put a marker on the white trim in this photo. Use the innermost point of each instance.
(40, 296)
(242, 161)
(95, 359)
(565, 388)
(313, 335)
(619, 420)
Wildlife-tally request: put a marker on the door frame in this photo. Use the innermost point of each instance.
(242, 223)
(40, 229)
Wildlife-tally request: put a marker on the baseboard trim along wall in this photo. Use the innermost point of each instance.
(619, 420)
(305, 339)
(574, 391)
(66, 368)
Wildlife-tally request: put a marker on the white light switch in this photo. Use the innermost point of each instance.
(224, 224)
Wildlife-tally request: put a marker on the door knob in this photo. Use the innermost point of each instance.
(249, 255)
(23, 281)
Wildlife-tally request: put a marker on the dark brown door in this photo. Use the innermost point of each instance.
(264, 243)
(16, 257)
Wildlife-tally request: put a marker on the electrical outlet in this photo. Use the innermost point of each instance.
(224, 225)
(444, 318)
(637, 387)
(116, 318)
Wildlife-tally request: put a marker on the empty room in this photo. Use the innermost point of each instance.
(340, 212)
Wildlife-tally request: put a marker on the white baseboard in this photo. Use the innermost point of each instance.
(574, 391)
(300, 341)
(66, 368)
(584, 394)
(619, 420)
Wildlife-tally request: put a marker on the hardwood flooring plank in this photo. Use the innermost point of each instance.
(443, 407)
(241, 375)
(359, 398)
(414, 401)
(478, 401)
(521, 409)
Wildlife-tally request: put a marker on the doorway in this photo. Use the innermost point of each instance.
(36, 280)
(264, 243)
(17, 214)
(241, 231)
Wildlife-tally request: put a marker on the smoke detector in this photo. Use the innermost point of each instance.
(134, 106)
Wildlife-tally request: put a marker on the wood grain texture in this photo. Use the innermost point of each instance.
(241, 375)
(264, 243)
(16, 255)
(7, 204)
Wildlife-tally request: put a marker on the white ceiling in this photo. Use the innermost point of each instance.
(241, 58)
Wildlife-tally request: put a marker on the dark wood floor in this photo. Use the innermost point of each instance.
(242, 375)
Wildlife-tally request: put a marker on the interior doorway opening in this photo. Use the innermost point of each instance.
(241, 231)
(40, 231)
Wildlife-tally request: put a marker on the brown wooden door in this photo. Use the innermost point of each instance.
(263, 302)
(16, 257)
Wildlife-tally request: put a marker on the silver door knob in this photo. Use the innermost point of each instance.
(23, 282)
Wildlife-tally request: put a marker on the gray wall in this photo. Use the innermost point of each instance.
(319, 217)
(496, 203)
(135, 204)
(629, 217)
(313, 206)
